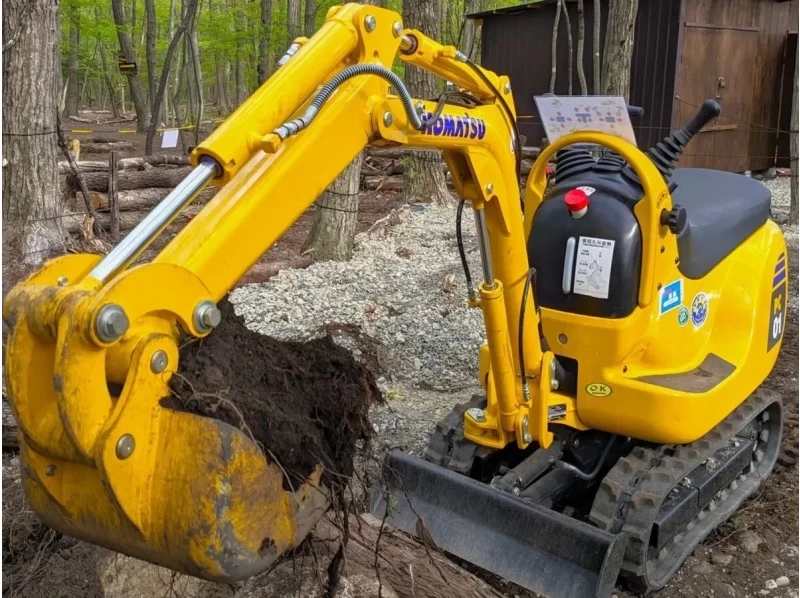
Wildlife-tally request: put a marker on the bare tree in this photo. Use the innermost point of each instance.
(293, 12)
(162, 84)
(150, 48)
(423, 177)
(265, 61)
(793, 209)
(71, 100)
(597, 13)
(310, 17)
(194, 51)
(619, 47)
(112, 91)
(569, 45)
(581, 39)
(31, 206)
(554, 48)
(126, 50)
(239, 24)
(469, 29)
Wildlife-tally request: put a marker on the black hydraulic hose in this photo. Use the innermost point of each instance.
(588, 477)
(462, 254)
(530, 279)
(293, 127)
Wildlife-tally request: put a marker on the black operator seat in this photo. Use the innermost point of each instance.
(722, 208)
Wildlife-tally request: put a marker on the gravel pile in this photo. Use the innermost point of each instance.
(406, 291)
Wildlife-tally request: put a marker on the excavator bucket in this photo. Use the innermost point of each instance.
(534, 547)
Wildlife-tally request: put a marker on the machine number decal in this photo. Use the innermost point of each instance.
(777, 305)
(598, 389)
(699, 309)
(555, 412)
(671, 296)
(593, 267)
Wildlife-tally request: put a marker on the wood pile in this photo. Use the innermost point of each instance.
(143, 182)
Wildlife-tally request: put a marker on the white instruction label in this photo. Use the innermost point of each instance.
(587, 190)
(593, 267)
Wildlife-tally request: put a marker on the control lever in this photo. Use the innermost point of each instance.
(666, 153)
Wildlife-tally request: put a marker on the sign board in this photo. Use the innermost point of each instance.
(126, 67)
(562, 115)
(169, 138)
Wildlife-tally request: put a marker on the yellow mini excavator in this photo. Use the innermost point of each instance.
(631, 312)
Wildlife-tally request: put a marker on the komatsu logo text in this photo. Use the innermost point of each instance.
(456, 126)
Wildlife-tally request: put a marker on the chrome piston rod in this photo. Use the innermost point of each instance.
(483, 245)
(159, 217)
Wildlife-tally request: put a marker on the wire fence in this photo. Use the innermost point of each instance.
(730, 138)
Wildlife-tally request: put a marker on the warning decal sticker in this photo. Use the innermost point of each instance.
(593, 267)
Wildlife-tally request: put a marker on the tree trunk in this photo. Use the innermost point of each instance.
(619, 47)
(468, 34)
(198, 75)
(405, 566)
(31, 198)
(264, 61)
(569, 46)
(311, 17)
(170, 28)
(162, 84)
(424, 179)
(793, 210)
(71, 100)
(293, 20)
(134, 84)
(336, 217)
(241, 94)
(219, 86)
(150, 50)
(554, 48)
(598, 15)
(581, 40)
(112, 91)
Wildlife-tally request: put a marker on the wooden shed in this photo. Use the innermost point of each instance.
(685, 51)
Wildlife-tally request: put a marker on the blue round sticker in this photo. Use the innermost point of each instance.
(683, 316)
(699, 309)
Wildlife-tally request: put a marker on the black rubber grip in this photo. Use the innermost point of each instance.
(708, 111)
(635, 111)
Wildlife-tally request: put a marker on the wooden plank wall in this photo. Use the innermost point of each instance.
(731, 22)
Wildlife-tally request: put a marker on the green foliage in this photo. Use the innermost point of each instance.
(227, 31)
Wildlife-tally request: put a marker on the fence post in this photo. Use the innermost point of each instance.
(112, 195)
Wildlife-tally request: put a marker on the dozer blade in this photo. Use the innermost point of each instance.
(534, 547)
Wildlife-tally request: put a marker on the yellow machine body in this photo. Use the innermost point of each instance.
(198, 496)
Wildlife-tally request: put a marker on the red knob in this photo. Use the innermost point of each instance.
(576, 200)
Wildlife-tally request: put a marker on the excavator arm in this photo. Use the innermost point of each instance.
(193, 493)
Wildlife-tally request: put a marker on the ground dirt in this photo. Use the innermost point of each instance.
(304, 403)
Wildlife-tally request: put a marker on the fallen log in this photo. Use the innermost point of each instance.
(384, 183)
(142, 199)
(126, 163)
(407, 566)
(133, 179)
(89, 147)
(127, 220)
(531, 153)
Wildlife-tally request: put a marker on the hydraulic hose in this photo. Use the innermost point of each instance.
(588, 477)
(293, 127)
(462, 254)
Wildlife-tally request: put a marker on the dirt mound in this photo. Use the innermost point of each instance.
(305, 403)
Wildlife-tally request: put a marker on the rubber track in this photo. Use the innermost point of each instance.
(631, 494)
